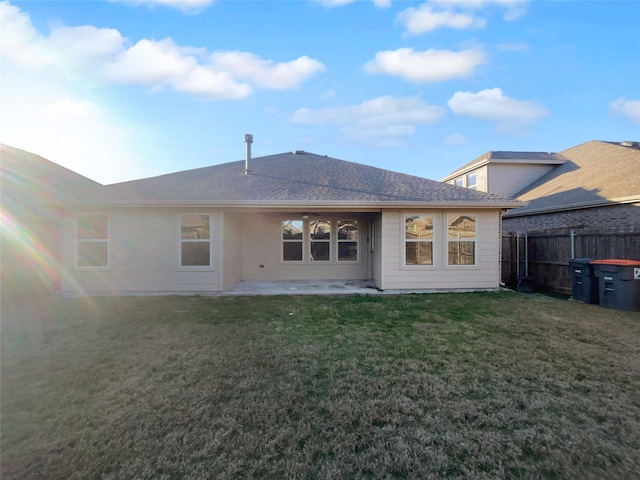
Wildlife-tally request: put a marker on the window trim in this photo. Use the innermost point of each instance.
(181, 241)
(333, 220)
(446, 263)
(338, 241)
(282, 241)
(79, 241)
(472, 186)
(433, 241)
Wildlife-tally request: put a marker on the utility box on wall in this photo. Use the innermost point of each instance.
(619, 283)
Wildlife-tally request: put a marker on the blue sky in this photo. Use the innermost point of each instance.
(118, 90)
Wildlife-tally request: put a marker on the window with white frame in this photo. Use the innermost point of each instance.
(292, 238)
(459, 182)
(92, 240)
(418, 239)
(472, 181)
(461, 239)
(319, 240)
(347, 240)
(195, 240)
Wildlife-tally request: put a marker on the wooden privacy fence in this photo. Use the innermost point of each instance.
(544, 256)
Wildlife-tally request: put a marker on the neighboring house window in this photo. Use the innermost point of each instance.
(347, 241)
(472, 181)
(292, 240)
(459, 182)
(316, 240)
(320, 237)
(195, 240)
(418, 235)
(461, 237)
(92, 234)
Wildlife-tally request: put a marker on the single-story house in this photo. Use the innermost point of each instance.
(592, 185)
(289, 216)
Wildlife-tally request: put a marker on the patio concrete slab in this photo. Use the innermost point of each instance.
(303, 287)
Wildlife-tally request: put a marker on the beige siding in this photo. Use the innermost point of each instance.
(261, 244)
(482, 276)
(144, 255)
(231, 252)
(377, 267)
(509, 179)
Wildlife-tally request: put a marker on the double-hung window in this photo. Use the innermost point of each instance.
(195, 240)
(418, 239)
(461, 239)
(292, 238)
(320, 240)
(92, 237)
(347, 241)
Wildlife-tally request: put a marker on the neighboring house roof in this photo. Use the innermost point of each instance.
(29, 179)
(302, 179)
(597, 173)
(529, 158)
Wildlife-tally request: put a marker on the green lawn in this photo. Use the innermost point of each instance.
(464, 386)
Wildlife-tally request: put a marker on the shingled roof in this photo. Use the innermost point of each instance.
(508, 157)
(596, 173)
(31, 179)
(302, 178)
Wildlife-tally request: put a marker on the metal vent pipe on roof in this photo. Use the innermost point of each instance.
(248, 139)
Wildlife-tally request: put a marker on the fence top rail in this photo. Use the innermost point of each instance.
(576, 234)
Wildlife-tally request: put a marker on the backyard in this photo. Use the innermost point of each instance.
(478, 385)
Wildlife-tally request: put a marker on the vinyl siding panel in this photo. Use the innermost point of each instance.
(440, 276)
(509, 179)
(231, 251)
(144, 255)
(261, 244)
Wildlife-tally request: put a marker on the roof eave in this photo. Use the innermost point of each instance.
(328, 205)
(504, 161)
(575, 206)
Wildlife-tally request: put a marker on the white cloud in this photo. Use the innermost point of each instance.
(427, 66)
(187, 6)
(340, 3)
(492, 105)
(459, 14)
(455, 140)
(513, 9)
(425, 19)
(104, 55)
(626, 108)
(383, 120)
(266, 73)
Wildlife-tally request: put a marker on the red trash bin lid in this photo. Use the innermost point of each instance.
(617, 261)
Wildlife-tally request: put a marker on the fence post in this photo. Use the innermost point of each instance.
(573, 244)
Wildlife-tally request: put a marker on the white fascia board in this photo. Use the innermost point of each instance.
(261, 205)
(574, 206)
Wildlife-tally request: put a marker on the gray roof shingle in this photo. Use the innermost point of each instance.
(596, 172)
(31, 179)
(302, 178)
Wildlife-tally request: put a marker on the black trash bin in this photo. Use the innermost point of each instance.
(584, 283)
(619, 283)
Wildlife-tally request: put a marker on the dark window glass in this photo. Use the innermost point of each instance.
(292, 251)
